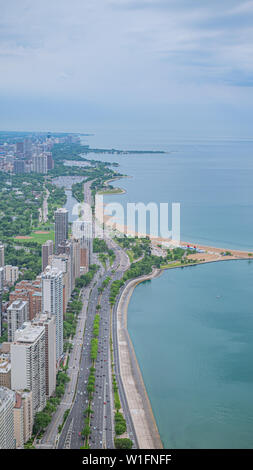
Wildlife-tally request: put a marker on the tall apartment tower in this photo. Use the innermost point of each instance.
(11, 274)
(28, 369)
(52, 302)
(47, 250)
(7, 402)
(61, 227)
(39, 163)
(66, 247)
(50, 352)
(1, 278)
(82, 230)
(1, 255)
(17, 314)
(1, 294)
(63, 263)
(18, 422)
(23, 418)
(76, 257)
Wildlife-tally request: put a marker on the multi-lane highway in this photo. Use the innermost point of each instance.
(102, 420)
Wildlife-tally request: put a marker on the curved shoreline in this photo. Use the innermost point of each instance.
(143, 419)
(140, 408)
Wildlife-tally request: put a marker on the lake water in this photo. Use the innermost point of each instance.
(212, 181)
(192, 328)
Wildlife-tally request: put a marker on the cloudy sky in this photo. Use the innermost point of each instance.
(89, 64)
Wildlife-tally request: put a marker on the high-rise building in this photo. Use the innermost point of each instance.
(20, 147)
(17, 314)
(50, 351)
(39, 163)
(47, 250)
(1, 255)
(63, 263)
(1, 279)
(28, 148)
(1, 294)
(5, 370)
(28, 371)
(76, 257)
(82, 231)
(23, 418)
(7, 402)
(11, 274)
(61, 227)
(18, 414)
(50, 161)
(27, 414)
(19, 167)
(52, 302)
(66, 247)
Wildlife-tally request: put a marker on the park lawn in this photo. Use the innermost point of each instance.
(172, 265)
(111, 191)
(38, 237)
(42, 237)
(130, 255)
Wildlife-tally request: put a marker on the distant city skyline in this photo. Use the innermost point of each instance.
(179, 65)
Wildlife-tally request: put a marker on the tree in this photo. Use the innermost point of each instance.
(41, 421)
(123, 443)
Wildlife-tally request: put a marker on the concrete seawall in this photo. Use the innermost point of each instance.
(138, 402)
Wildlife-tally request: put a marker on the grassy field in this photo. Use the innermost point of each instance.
(112, 191)
(130, 255)
(39, 237)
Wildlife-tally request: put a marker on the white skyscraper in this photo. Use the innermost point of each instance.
(7, 402)
(50, 339)
(28, 368)
(52, 302)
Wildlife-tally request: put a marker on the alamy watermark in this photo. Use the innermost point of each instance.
(131, 220)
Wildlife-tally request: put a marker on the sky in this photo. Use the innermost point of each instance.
(83, 65)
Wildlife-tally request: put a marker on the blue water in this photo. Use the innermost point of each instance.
(192, 328)
(212, 180)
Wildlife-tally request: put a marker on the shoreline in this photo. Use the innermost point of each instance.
(140, 408)
(145, 425)
(118, 190)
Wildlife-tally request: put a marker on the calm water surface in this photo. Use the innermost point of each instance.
(192, 330)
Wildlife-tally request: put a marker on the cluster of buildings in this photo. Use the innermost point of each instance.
(32, 154)
(29, 360)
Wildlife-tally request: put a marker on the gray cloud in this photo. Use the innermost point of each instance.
(128, 51)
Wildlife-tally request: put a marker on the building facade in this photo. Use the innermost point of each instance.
(1, 255)
(47, 250)
(28, 371)
(11, 274)
(50, 351)
(52, 302)
(17, 314)
(61, 227)
(7, 402)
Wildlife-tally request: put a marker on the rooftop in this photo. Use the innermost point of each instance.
(28, 333)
